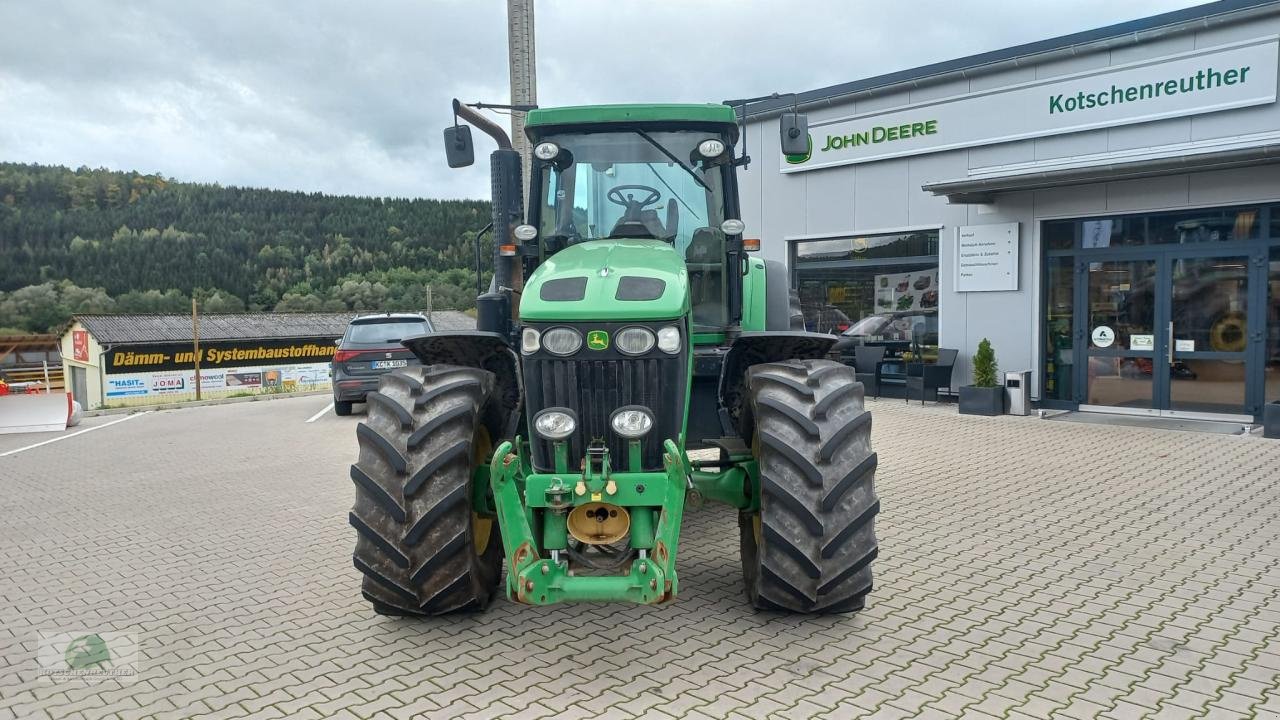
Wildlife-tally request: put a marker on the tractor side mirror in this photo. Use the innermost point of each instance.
(458, 149)
(793, 131)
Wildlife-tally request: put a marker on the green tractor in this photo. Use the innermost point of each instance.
(627, 325)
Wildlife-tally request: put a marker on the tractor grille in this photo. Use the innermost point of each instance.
(594, 388)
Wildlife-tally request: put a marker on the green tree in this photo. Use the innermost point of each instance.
(985, 369)
(151, 244)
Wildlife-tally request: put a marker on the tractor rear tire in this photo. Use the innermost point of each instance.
(809, 548)
(419, 544)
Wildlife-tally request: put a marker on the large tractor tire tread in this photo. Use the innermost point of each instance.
(810, 547)
(417, 540)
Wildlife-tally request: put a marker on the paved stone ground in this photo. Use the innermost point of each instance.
(1027, 569)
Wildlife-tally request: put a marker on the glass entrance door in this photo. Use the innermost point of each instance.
(1121, 322)
(1207, 335)
(1167, 333)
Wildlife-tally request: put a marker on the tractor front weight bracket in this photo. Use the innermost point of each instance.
(533, 575)
(514, 519)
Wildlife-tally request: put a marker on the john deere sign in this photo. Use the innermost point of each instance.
(1201, 81)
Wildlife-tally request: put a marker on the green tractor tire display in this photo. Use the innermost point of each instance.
(549, 450)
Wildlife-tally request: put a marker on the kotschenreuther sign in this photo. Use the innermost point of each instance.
(1201, 81)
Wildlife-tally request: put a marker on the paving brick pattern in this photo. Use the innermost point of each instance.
(1028, 569)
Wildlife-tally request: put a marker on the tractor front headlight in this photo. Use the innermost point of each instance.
(561, 341)
(634, 340)
(632, 421)
(555, 423)
(669, 339)
(529, 341)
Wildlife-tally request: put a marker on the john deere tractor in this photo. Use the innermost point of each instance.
(627, 325)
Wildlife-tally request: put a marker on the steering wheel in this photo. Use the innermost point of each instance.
(633, 207)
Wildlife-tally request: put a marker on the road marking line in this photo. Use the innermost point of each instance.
(79, 432)
(316, 417)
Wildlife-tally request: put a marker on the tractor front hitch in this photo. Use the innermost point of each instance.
(532, 507)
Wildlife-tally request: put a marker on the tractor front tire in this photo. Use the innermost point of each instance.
(419, 544)
(810, 546)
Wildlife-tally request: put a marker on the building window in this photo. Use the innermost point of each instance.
(1059, 329)
(1183, 227)
(882, 289)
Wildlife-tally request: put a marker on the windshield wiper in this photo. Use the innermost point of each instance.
(671, 156)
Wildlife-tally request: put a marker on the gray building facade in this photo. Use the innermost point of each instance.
(1103, 207)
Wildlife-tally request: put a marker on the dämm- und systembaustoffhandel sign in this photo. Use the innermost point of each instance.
(221, 354)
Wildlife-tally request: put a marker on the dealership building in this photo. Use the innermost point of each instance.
(1104, 207)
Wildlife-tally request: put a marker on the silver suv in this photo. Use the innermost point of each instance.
(369, 348)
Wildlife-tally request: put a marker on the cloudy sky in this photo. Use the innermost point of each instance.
(347, 97)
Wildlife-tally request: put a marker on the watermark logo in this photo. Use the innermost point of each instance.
(88, 656)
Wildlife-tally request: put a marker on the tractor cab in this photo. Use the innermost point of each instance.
(659, 173)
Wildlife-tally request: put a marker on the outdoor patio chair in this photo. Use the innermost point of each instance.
(931, 377)
(866, 366)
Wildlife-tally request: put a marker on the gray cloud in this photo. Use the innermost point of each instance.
(351, 97)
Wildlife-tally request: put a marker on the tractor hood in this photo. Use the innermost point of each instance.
(608, 280)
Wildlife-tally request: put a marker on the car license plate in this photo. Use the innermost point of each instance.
(384, 364)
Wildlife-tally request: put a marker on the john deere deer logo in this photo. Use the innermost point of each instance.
(799, 159)
(597, 340)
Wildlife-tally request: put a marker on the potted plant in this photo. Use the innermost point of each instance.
(985, 396)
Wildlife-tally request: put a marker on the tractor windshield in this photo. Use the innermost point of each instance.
(641, 184)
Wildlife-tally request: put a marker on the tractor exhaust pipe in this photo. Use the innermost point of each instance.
(486, 126)
(498, 308)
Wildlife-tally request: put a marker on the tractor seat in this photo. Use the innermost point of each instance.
(647, 226)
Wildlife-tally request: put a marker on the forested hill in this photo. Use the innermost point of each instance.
(101, 240)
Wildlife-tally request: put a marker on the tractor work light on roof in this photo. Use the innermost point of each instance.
(711, 148)
(546, 151)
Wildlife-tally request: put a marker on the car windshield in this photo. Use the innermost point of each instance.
(869, 325)
(894, 327)
(381, 332)
(641, 184)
